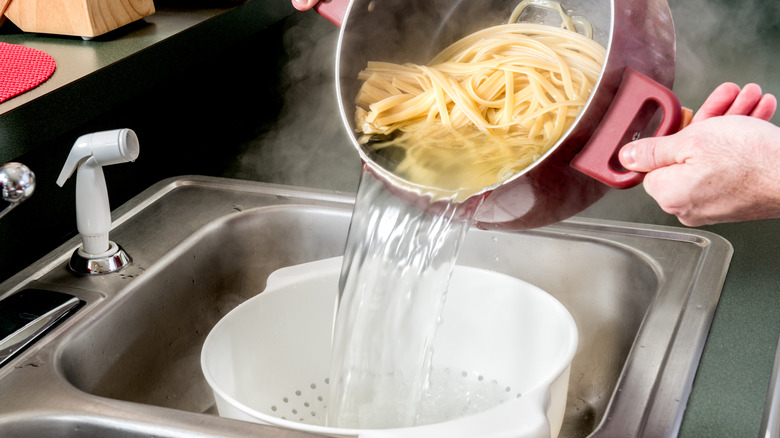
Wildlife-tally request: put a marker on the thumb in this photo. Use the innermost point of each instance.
(647, 154)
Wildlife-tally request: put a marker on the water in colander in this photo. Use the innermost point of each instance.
(393, 286)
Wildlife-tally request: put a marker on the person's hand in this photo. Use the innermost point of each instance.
(722, 167)
(304, 5)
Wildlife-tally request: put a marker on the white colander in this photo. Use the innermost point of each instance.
(268, 360)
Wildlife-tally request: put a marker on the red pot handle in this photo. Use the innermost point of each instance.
(598, 158)
(333, 10)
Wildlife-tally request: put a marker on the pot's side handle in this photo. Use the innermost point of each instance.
(598, 158)
(333, 10)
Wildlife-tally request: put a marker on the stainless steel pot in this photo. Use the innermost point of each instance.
(582, 166)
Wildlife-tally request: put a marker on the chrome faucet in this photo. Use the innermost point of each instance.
(17, 183)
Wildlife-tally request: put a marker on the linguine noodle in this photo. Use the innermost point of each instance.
(484, 108)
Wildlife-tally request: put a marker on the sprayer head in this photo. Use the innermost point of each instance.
(107, 147)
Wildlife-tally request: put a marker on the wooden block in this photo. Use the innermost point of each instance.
(84, 18)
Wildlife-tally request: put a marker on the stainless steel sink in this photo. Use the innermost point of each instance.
(127, 363)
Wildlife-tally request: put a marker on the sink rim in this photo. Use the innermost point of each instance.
(688, 336)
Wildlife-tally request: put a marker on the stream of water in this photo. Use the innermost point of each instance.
(397, 265)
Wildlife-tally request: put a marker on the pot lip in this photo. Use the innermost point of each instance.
(438, 194)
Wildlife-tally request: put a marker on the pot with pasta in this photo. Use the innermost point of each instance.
(521, 104)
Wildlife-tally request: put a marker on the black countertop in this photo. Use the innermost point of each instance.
(94, 76)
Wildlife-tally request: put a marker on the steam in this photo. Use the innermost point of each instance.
(308, 144)
(725, 41)
(717, 41)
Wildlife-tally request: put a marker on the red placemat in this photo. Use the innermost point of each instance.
(22, 69)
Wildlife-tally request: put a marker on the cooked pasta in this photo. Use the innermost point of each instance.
(484, 108)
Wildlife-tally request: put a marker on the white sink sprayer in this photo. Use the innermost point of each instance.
(93, 214)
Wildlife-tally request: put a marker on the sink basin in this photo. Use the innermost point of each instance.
(127, 362)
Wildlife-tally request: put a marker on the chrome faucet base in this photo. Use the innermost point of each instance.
(115, 261)
(17, 183)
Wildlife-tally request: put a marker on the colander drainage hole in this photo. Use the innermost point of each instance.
(306, 405)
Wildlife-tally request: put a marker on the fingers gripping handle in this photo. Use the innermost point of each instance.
(598, 158)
